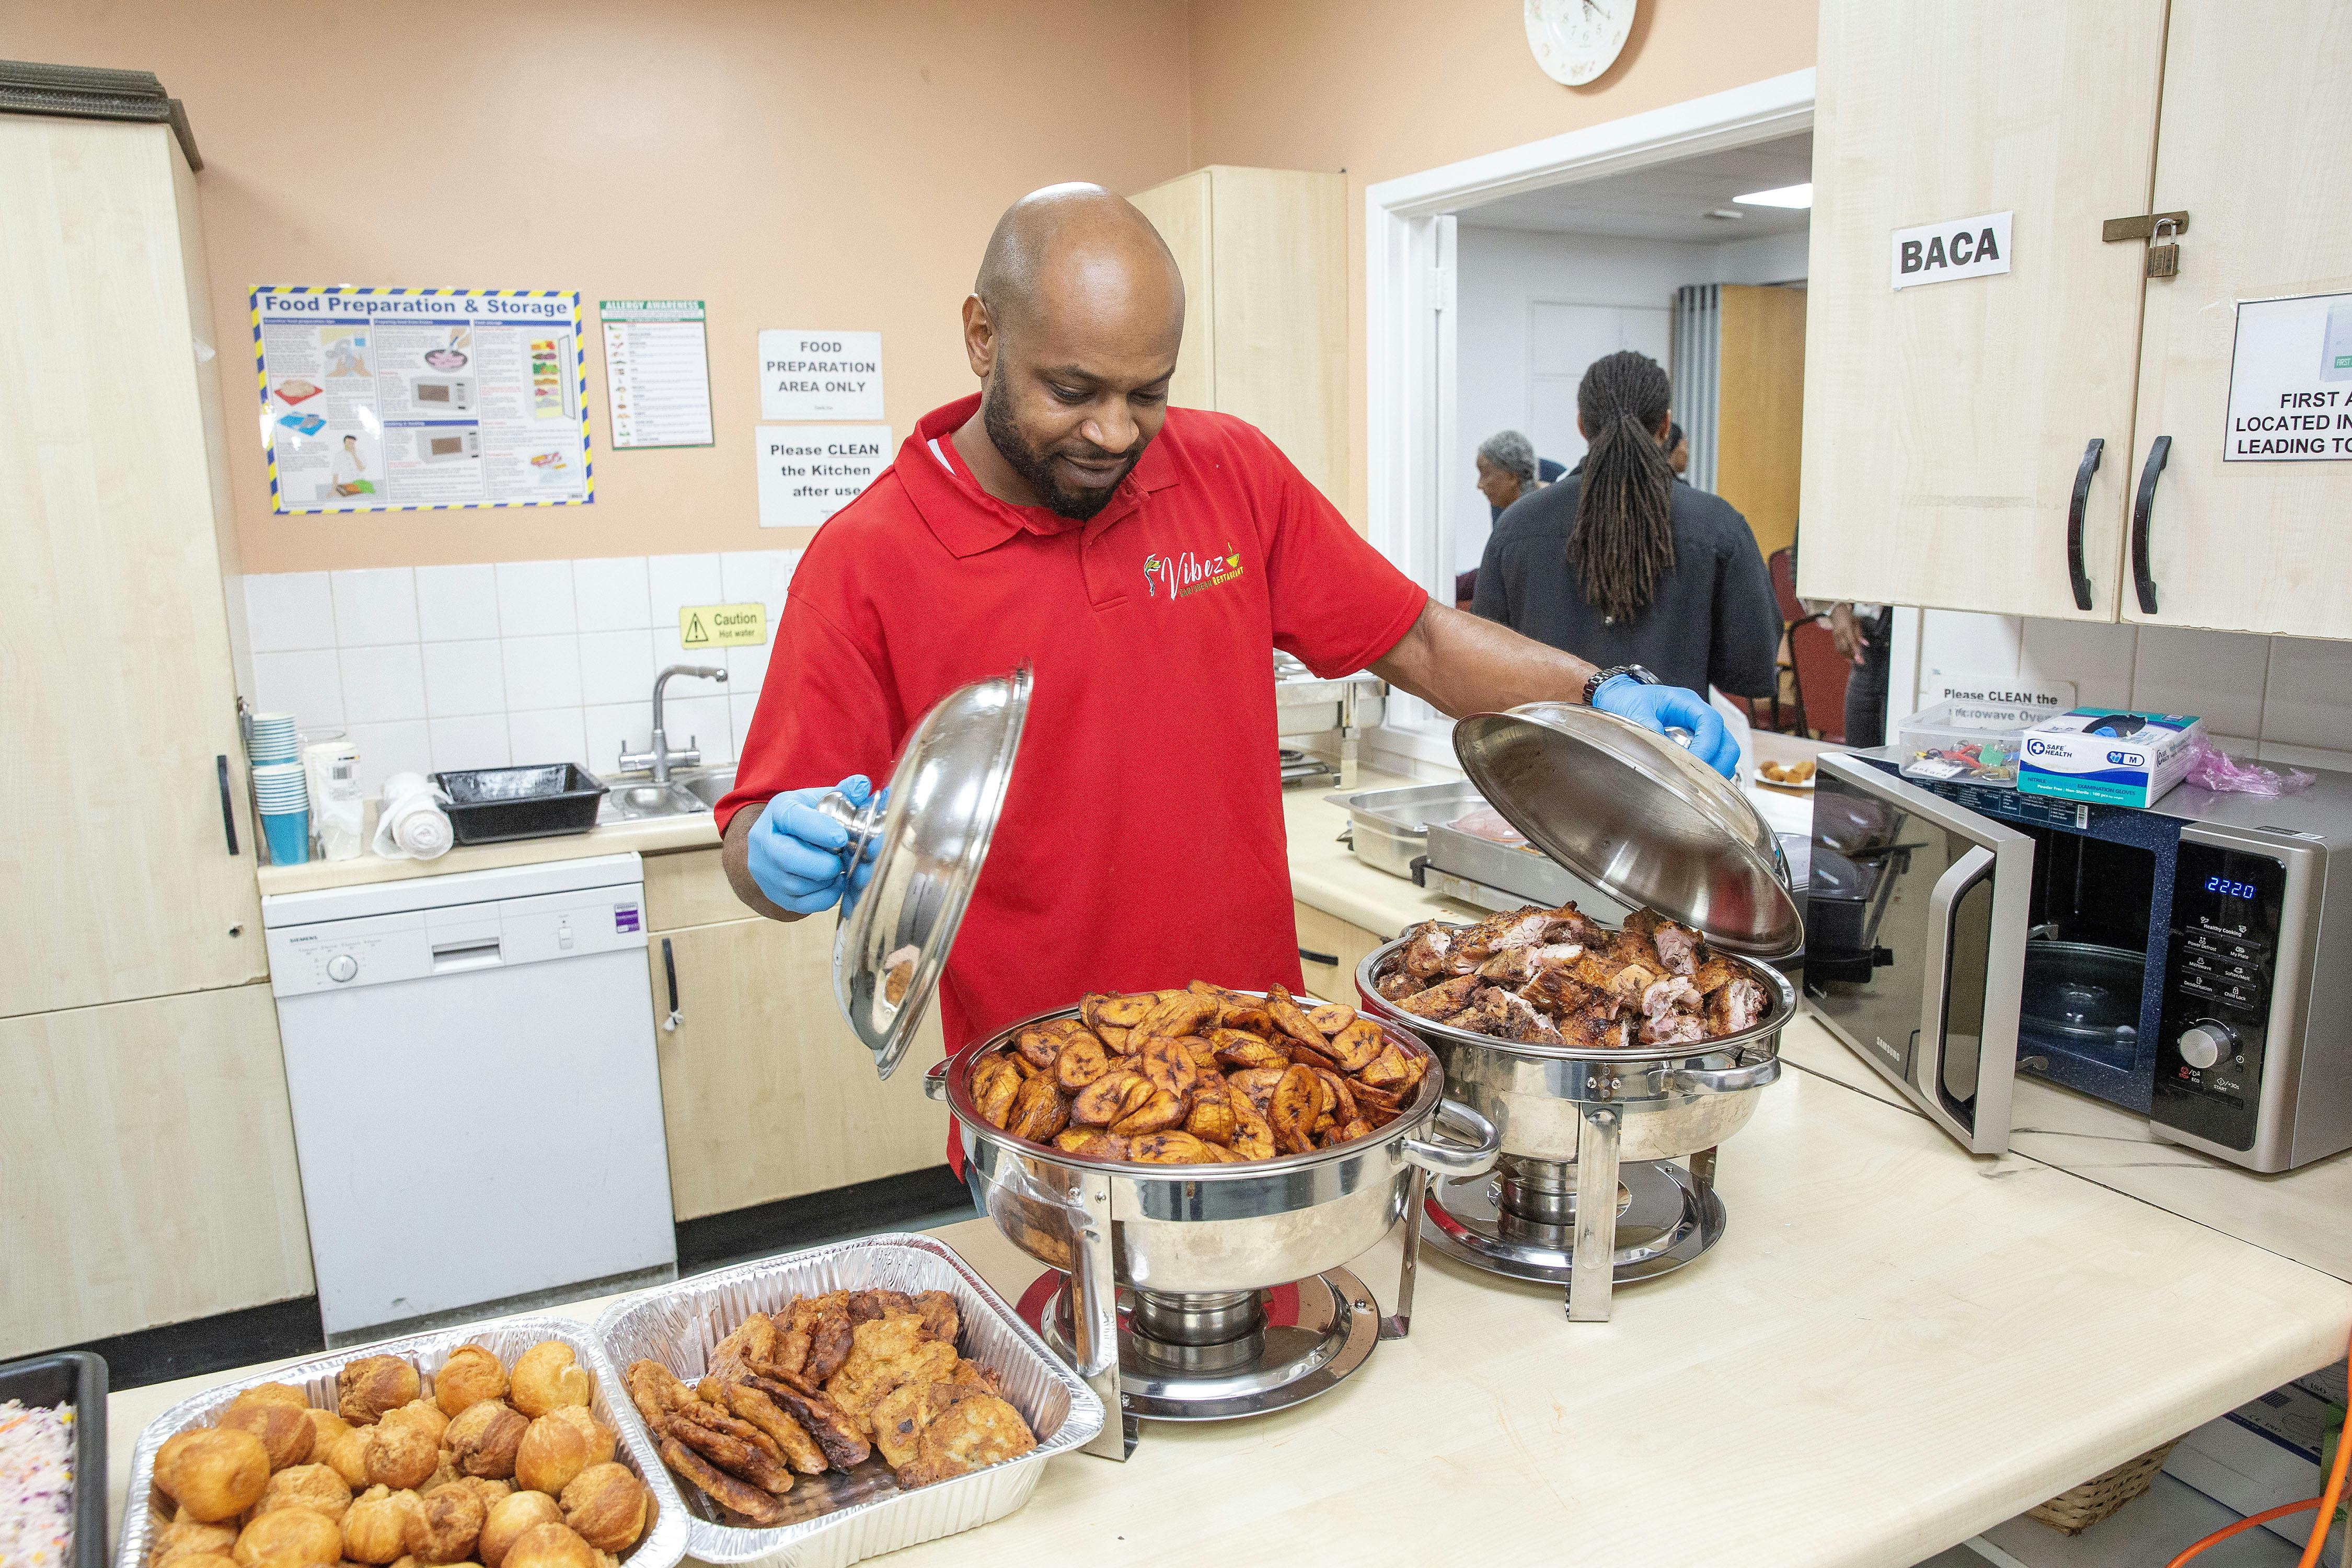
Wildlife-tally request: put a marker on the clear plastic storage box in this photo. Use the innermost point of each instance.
(1977, 741)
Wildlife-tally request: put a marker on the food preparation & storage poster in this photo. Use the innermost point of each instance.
(422, 399)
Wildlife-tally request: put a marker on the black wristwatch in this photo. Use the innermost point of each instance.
(1593, 682)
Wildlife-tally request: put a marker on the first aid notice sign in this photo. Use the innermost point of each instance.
(2291, 381)
(1956, 248)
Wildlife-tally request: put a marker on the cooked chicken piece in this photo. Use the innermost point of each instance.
(1714, 974)
(696, 1428)
(1556, 992)
(895, 1358)
(829, 1334)
(1397, 984)
(1671, 994)
(973, 1431)
(1736, 1005)
(738, 1498)
(832, 1430)
(656, 1390)
(1593, 1028)
(1678, 946)
(1625, 981)
(791, 1438)
(1426, 953)
(1442, 1000)
(1505, 1015)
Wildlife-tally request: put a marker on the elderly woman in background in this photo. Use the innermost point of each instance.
(1620, 565)
(1508, 469)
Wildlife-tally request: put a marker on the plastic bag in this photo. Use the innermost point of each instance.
(2216, 770)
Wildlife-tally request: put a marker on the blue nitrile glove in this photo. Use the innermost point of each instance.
(795, 849)
(1663, 708)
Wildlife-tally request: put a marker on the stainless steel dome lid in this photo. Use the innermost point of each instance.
(1638, 816)
(927, 844)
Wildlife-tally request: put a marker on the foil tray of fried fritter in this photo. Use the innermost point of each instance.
(830, 1405)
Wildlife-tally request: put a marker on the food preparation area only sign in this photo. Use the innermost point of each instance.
(2291, 382)
(820, 376)
(808, 472)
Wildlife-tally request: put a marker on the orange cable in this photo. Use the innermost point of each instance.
(2324, 1502)
(2249, 1522)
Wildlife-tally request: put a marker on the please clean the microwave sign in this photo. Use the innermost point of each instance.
(1956, 248)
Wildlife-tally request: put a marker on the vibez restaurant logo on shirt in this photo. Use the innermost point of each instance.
(1176, 575)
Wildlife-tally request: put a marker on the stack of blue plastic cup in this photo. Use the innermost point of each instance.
(282, 793)
(274, 740)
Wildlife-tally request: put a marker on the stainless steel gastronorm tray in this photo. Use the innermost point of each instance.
(664, 1544)
(841, 1519)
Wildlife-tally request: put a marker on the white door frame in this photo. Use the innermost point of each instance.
(1409, 294)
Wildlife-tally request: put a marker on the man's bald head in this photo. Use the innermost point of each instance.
(1079, 249)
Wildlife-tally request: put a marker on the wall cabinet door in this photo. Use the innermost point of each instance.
(765, 1092)
(2256, 147)
(147, 1169)
(120, 695)
(1324, 936)
(1945, 424)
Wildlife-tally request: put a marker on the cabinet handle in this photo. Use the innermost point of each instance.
(2074, 571)
(669, 969)
(2142, 578)
(228, 811)
(1331, 959)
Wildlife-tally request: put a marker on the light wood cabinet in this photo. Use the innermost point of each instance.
(1265, 257)
(120, 699)
(147, 1168)
(1947, 426)
(1321, 936)
(765, 1092)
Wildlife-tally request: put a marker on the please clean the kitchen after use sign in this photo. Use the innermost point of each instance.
(2291, 381)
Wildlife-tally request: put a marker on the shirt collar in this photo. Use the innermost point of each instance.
(967, 519)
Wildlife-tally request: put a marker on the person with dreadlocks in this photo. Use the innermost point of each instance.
(1621, 563)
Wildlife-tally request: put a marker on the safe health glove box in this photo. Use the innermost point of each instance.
(2108, 755)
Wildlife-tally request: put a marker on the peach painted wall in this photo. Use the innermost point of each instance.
(1386, 87)
(794, 163)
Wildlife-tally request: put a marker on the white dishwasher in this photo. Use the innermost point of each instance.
(477, 1104)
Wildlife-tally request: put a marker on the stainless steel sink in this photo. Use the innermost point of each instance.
(689, 793)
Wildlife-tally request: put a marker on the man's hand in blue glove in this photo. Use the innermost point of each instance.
(1663, 708)
(795, 849)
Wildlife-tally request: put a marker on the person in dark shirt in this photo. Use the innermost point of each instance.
(1677, 450)
(1621, 563)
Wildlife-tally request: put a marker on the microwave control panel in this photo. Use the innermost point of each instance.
(2218, 969)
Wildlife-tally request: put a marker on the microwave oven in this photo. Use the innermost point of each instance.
(2190, 961)
(448, 443)
(453, 394)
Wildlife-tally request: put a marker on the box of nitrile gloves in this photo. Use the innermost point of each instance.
(2108, 755)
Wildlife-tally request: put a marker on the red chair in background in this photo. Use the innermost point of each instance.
(1822, 673)
(1782, 565)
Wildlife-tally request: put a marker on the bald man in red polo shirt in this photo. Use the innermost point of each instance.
(1144, 559)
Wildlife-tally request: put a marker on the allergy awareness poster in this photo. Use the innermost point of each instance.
(409, 399)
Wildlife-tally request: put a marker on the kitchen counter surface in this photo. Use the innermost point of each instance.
(653, 836)
(1895, 1346)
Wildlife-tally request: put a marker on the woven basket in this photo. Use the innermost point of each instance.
(2077, 1509)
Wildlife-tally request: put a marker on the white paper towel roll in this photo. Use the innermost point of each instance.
(412, 824)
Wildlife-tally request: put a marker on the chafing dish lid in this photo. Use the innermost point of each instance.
(1636, 815)
(926, 844)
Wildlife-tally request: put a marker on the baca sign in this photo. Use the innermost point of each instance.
(1959, 247)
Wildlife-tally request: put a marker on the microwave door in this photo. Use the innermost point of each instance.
(1918, 968)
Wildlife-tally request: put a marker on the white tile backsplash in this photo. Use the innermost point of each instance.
(2095, 654)
(2307, 701)
(541, 671)
(549, 735)
(535, 598)
(2280, 754)
(387, 749)
(614, 728)
(680, 580)
(2218, 676)
(286, 611)
(702, 721)
(464, 678)
(761, 576)
(375, 608)
(1961, 642)
(382, 685)
(471, 741)
(747, 668)
(309, 684)
(616, 667)
(456, 603)
(611, 594)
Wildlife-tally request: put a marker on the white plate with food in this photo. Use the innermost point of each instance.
(1798, 775)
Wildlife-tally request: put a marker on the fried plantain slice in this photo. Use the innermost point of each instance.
(1104, 1101)
(1348, 1132)
(738, 1498)
(1091, 1008)
(1252, 1019)
(1355, 1046)
(1210, 1121)
(1368, 1096)
(1168, 1149)
(1169, 1066)
(1343, 1100)
(736, 1456)
(1290, 1018)
(1389, 1069)
(800, 1451)
(1331, 1017)
(992, 1095)
(1256, 1085)
(1223, 1155)
(1203, 1055)
(1039, 1110)
(1237, 1049)
(1253, 1134)
(1308, 1056)
(1114, 1039)
(1125, 1012)
(1038, 1047)
(1160, 1111)
(1292, 1111)
(1178, 1013)
(1083, 1060)
(844, 1447)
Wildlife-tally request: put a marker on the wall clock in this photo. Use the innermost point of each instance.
(1576, 40)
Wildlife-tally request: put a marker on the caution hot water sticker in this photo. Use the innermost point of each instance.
(722, 625)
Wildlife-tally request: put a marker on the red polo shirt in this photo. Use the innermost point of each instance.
(1141, 844)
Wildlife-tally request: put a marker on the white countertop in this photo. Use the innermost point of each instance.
(653, 836)
(1895, 1346)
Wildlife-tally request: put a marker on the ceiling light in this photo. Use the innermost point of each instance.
(1798, 196)
(1722, 212)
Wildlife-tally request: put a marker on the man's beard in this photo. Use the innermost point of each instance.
(1037, 468)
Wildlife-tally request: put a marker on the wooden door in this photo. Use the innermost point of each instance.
(1945, 424)
(1324, 936)
(147, 1169)
(1760, 430)
(2256, 147)
(765, 1092)
(119, 695)
(1180, 210)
